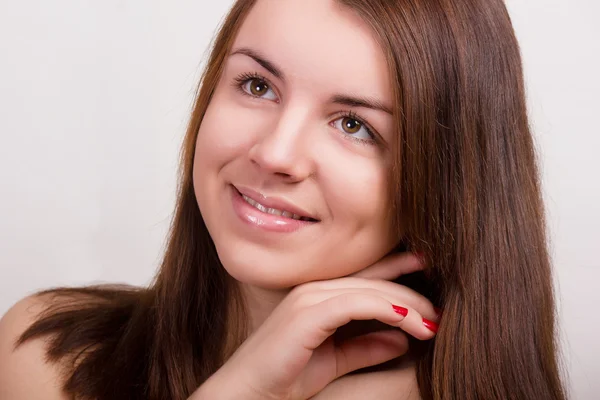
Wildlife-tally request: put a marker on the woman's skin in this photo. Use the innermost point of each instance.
(275, 125)
(290, 143)
(288, 135)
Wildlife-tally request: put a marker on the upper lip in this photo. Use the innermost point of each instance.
(274, 202)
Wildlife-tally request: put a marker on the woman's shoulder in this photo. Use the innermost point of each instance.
(25, 372)
(48, 337)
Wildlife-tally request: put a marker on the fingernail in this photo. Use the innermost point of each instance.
(432, 326)
(400, 310)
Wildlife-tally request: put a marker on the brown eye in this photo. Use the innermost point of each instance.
(258, 87)
(351, 125)
(255, 86)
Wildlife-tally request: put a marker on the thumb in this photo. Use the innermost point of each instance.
(369, 349)
(392, 266)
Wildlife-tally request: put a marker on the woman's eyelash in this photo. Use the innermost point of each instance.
(243, 79)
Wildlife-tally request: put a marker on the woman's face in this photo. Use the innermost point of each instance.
(300, 122)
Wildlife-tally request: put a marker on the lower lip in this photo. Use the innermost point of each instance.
(256, 218)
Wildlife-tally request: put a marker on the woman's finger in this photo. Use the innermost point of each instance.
(316, 323)
(394, 293)
(392, 266)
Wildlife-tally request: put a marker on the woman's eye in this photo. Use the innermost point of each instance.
(258, 88)
(353, 127)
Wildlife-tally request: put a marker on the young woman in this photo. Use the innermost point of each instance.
(334, 146)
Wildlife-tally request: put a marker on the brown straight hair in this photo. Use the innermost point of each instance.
(466, 192)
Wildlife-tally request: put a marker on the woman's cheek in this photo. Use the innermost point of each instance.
(356, 185)
(221, 133)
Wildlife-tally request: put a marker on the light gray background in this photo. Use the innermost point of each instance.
(94, 97)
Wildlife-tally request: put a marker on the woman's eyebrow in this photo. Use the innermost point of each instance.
(365, 102)
(343, 99)
(259, 58)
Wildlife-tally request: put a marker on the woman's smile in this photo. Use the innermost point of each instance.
(255, 211)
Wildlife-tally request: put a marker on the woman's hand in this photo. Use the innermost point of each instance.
(293, 356)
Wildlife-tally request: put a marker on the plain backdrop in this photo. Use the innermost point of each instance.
(94, 100)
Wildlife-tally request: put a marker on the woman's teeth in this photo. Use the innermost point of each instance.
(274, 211)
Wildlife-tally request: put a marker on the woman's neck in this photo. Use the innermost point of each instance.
(246, 317)
(260, 303)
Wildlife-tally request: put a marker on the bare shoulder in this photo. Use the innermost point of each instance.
(398, 383)
(24, 372)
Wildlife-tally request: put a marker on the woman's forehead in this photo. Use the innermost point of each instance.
(318, 44)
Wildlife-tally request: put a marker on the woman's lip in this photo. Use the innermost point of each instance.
(254, 217)
(278, 203)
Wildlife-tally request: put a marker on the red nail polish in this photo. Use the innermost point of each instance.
(432, 326)
(400, 310)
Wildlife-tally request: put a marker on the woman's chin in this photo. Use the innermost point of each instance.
(263, 277)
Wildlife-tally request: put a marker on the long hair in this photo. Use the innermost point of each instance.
(466, 191)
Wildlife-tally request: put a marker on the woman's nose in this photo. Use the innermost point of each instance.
(284, 150)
